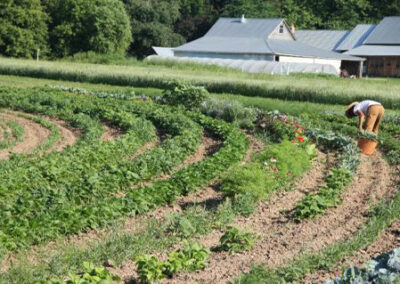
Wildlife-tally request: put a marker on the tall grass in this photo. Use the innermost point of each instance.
(325, 90)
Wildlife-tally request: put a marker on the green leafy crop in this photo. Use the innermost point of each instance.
(233, 240)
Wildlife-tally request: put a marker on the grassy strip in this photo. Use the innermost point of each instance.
(321, 90)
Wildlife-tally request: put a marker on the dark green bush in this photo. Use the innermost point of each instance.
(189, 96)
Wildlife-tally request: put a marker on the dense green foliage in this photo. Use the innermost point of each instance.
(234, 240)
(384, 268)
(191, 258)
(23, 28)
(181, 94)
(99, 172)
(111, 26)
(90, 275)
(76, 26)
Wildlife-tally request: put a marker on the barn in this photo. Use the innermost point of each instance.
(270, 41)
(381, 48)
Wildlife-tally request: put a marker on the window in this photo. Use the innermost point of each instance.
(281, 30)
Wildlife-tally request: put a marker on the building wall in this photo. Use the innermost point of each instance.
(383, 66)
(276, 34)
(268, 57)
(334, 62)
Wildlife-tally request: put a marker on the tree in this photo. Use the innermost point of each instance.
(197, 16)
(101, 26)
(23, 28)
(152, 23)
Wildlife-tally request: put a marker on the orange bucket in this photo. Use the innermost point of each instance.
(367, 146)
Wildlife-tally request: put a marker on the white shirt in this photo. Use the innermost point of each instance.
(364, 105)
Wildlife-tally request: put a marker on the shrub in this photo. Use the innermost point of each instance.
(230, 111)
(189, 96)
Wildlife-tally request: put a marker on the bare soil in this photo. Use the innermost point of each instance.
(281, 239)
(69, 135)
(110, 132)
(34, 135)
(387, 241)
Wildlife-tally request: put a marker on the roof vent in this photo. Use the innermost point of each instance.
(243, 19)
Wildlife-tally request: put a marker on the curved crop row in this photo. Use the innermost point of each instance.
(328, 196)
(11, 133)
(138, 201)
(38, 188)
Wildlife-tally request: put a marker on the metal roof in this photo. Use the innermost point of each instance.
(375, 50)
(299, 49)
(231, 35)
(356, 37)
(251, 28)
(227, 45)
(325, 39)
(163, 51)
(386, 32)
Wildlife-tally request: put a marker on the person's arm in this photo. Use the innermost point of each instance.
(361, 119)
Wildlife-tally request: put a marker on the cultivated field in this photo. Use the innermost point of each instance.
(140, 180)
(327, 90)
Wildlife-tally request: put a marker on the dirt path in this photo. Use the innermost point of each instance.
(387, 241)
(69, 135)
(110, 133)
(34, 135)
(281, 240)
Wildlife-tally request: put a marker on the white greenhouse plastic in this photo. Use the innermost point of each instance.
(257, 66)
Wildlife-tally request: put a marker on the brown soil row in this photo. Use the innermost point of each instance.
(281, 239)
(34, 135)
(208, 197)
(134, 224)
(68, 134)
(387, 241)
(110, 133)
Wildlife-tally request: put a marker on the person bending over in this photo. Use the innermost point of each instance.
(369, 111)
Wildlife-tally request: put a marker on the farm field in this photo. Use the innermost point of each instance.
(125, 183)
(327, 90)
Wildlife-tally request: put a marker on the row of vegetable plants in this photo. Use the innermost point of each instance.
(328, 196)
(52, 178)
(243, 186)
(280, 163)
(380, 217)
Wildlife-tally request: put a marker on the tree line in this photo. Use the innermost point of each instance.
(62, 28)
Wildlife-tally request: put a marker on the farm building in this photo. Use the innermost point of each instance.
(381, 48)
(269, 44)
(379, 44)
